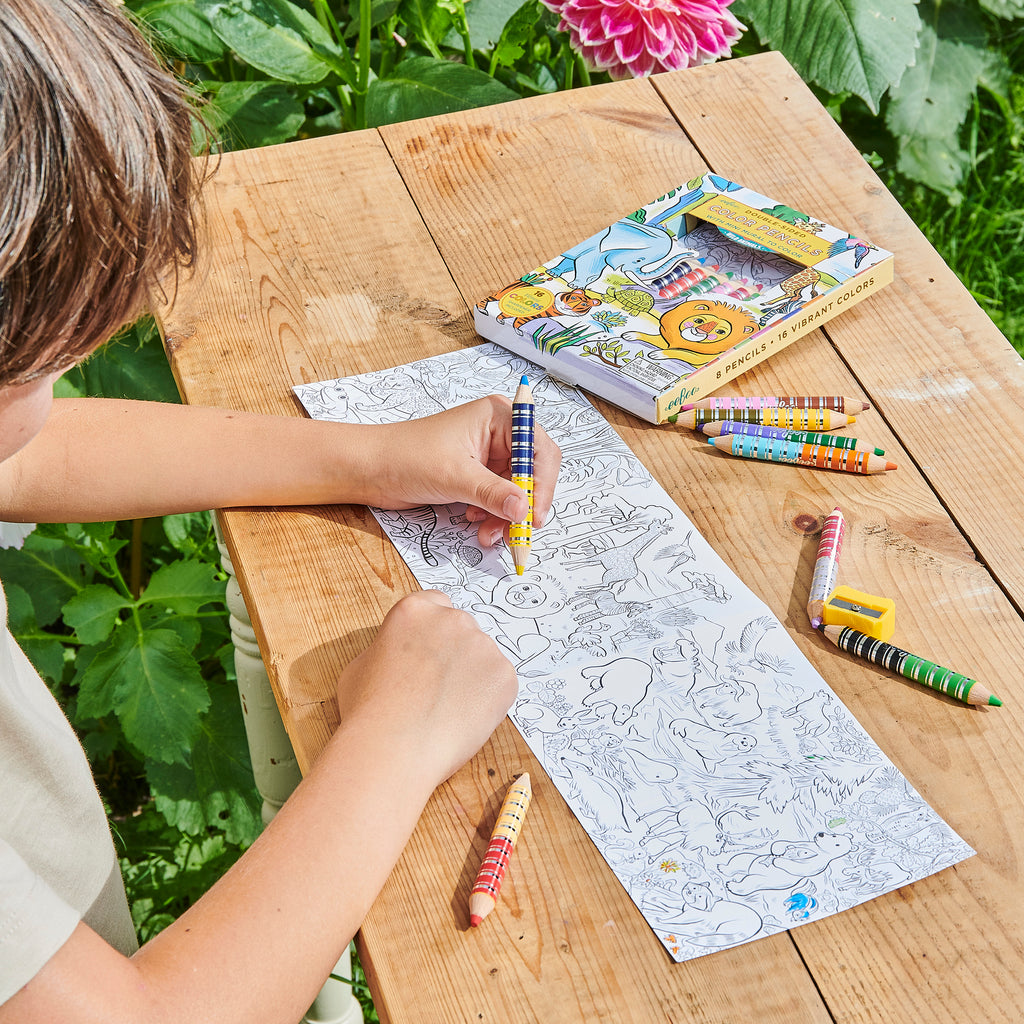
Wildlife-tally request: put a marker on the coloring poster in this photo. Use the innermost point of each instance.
(729, 790)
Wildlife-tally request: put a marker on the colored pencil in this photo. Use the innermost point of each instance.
(804, 436)
(781, 416)
(696, 278)
(813, 456)
(521, 534)
(839, 403)
(920, 670)
(683, 268)
(826, 565)
(484, 896)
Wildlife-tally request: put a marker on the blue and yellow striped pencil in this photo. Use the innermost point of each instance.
(520, 535)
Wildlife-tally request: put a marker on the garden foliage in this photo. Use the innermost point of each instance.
(280, 69)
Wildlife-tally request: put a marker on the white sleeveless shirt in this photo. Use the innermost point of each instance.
(57, 860)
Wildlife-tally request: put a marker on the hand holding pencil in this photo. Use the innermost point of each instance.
(460, 455)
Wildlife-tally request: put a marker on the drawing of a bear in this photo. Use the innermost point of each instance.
(787, 862)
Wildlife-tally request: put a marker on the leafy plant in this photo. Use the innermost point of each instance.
(127, 624)
(914, 68)
(275, 70)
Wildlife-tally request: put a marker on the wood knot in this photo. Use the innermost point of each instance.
(804, 522)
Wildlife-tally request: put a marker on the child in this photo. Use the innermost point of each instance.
(96, 194)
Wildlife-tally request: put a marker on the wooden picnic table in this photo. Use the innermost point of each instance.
(335, 256)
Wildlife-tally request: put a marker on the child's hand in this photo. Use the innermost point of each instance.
(432, 686)
(461, 455)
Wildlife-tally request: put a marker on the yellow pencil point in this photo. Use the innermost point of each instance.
(519, 570)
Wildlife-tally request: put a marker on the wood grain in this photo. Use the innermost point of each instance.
(357, 252)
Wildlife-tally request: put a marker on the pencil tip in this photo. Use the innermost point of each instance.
(815, 622)
(995, 701)
(519, 570)
(524, 380)
(474, 920)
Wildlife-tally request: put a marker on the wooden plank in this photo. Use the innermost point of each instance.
(318, 267)
(764, 520)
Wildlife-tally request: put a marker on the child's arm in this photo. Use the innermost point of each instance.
(257, 947)
(100, 459)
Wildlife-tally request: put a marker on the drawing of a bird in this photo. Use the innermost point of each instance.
(859, 246)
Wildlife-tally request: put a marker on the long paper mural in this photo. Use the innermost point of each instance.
(727, 787)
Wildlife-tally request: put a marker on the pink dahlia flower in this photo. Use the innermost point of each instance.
(633, 38)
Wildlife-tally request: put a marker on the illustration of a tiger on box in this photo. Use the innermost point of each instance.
(524, 302)
(698, 330)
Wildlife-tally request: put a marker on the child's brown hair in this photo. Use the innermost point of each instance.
(98, 189)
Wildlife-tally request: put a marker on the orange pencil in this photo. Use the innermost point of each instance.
(813, 456)
(499, 850)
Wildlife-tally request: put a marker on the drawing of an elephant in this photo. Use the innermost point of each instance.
(643, 251)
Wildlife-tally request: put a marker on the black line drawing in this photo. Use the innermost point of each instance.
(725, 784)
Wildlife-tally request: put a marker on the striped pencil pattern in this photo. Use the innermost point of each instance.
(523, 415)
(499, 850)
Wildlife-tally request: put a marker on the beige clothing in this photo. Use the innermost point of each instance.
(57, 860)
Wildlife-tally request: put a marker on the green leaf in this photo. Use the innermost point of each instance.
(859, 46)
(487, 21)
(21, 616)
(190, 533)
(183, 29)
(253, 114)
(216, 789)
(92, 613)
(184, 587)
(154, 685)
(518, 33)
(131, 365)
(47, 656)
(424, 86)
(937, 163)
(49, 571)
(1004, 8)
(936, 93)
(275, 37)
(189, 629)
(930, 105)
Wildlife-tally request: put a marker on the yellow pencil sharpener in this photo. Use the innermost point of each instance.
(874, 616)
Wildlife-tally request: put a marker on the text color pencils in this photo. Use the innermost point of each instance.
(484, 896)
